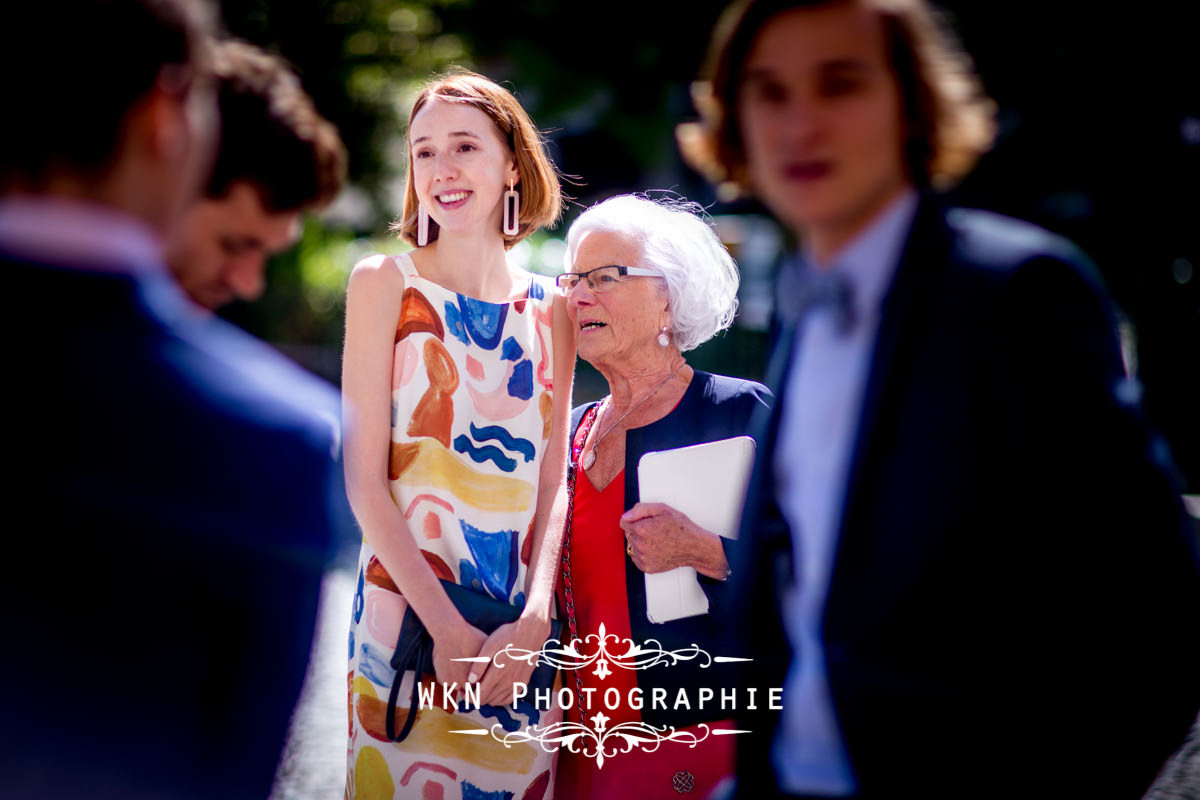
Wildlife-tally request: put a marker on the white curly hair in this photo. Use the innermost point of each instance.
(677, 239)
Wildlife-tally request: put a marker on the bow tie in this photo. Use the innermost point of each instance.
(803, 289)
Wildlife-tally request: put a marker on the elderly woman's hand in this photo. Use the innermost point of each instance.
(661, 538)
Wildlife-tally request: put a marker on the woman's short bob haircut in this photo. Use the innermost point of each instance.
(541, 195)
(949, 121)
(676, 239)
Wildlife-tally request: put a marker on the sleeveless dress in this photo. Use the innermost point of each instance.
(471, 398)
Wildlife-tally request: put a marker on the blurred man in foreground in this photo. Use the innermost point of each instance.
(276, 159)
(974, 543)
(169, 520)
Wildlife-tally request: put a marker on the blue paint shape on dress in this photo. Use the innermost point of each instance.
(536, 291)
(375, 666)
(506, 439)
(358, 596)
(511, 349)
(520, 385)
(486, 453)
(529, 710)
(484, 321)
(495, 555)
(472, 792)
(468, 576)
(455, 324)
(502, 715)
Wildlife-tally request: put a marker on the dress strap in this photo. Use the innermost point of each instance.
(407, 268)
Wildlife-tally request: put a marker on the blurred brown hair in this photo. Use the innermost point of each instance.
(271, 133)
(70, 71)
(541, 194)
(948, 117)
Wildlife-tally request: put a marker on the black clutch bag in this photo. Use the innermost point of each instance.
(414, 648)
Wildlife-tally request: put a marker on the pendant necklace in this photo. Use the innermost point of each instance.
(589, 460)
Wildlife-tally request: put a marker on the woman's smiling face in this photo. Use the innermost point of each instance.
(461, 166)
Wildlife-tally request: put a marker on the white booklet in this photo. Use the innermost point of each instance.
(707, 482)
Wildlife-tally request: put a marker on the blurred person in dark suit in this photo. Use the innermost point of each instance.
(277, 158)
(975, 545)
(169, 522)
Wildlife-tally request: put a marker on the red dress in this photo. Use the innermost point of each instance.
(597, 557)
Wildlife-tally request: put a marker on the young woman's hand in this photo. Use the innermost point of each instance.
(456, 639)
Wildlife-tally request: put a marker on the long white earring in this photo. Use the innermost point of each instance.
(512, 211)
(662, 339)
(422, 226)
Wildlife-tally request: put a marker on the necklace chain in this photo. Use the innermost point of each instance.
(590, 459)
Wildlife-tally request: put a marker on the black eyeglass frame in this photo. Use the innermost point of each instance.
(583, 276)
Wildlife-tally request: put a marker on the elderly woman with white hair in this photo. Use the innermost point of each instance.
(647, 281)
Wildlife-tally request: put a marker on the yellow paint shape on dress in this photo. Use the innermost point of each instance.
(372, 780)
(434, 734)
(426, 462)
(364, 686)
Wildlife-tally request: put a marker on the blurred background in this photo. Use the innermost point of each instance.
(1099, 140)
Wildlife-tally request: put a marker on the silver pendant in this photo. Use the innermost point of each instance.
(590, 459)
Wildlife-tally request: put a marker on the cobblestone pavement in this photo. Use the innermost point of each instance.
(313, 766)
(1180, 778)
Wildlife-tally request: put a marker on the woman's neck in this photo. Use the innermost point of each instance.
(474, 266)
(656, 386)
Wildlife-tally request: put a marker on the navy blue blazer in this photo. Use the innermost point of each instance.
(713, 407)
(169, 525)
(1014, 568)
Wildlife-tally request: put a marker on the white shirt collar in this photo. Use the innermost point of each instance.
(77, 234)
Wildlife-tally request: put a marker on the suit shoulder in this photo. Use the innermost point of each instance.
(1005, 249)
(249, 384)
(990, 239)
(726, 388)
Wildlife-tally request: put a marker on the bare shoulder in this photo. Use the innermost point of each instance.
(376, 275)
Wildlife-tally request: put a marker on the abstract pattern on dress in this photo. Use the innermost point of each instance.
(472, 388)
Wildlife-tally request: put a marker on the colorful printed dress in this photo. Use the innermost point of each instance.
(471, 398)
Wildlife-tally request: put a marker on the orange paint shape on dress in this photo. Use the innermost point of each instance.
(426, 463)
(418, 316)
(543, 325)
(433, 526)
(546, 406)
(377, 576)
(439, 567)
(434, 414)
(527, 545)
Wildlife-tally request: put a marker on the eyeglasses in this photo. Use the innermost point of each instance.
(601, 279)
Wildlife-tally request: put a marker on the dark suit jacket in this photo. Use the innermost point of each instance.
(1014, 565)
(714, 407)
(168, 529)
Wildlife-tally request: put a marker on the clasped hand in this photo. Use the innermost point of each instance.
(528, 632)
